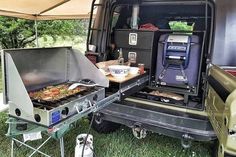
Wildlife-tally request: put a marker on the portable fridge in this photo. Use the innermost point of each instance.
(178, 61)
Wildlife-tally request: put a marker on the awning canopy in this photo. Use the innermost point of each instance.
(46, 9)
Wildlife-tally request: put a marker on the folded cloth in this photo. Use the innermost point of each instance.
(149, 27)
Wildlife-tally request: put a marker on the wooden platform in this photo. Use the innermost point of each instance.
(129, 77)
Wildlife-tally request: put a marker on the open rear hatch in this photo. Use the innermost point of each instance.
(221, 107)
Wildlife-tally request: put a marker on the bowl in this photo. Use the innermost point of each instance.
(119, 71)
(133, 70)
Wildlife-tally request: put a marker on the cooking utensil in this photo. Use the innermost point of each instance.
(84, 82)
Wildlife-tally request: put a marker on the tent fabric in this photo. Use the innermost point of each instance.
(46, 9)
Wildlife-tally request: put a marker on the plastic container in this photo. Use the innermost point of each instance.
(119, 71)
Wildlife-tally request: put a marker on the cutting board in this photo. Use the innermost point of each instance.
(129, 77)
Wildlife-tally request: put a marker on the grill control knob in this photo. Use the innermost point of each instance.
(95, 97)
(37, 117)
(65, 111)
(80, 109)
(88, 104)
(18, 112)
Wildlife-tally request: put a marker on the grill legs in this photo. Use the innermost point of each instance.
(62, 146)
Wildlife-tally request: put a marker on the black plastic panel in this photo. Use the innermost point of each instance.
(220, 90)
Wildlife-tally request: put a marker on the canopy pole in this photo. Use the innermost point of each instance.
(36, 33)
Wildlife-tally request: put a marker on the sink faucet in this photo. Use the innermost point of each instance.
(120, 58)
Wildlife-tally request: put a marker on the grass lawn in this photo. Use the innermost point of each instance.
(118, 144)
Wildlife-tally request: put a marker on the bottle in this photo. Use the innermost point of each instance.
(121, 59)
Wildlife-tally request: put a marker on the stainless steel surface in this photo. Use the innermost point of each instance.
(80, 67)
(225, 34)
(17, 94)
(40, 67)
(27, 70)
(3, 78)
(96, 107)
(54, 116)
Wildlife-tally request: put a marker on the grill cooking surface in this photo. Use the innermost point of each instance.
(54, 96)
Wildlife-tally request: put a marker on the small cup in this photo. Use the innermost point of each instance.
(141, 68)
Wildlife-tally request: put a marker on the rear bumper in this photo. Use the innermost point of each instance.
(173, 125)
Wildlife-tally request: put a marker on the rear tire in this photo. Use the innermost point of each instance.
(215, 148)
(103, 126)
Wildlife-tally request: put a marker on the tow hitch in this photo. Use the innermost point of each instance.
(186, 141)
(138, 131)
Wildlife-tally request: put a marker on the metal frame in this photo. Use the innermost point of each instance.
(13, 133)
(101, 104)
(35, 150)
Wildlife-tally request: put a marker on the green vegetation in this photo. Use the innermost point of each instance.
(180, 26)
(20, 33)
(118, 144)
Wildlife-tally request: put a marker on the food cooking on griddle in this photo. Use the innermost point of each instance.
(53, 93)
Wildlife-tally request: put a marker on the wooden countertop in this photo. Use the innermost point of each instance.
(129, 77)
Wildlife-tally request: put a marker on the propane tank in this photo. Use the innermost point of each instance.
(88, 149)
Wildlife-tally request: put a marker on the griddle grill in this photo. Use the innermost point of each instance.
(28, 70)
(48, 105)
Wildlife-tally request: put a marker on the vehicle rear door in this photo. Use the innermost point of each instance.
(221, 108)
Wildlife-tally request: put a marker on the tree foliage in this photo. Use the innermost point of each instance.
(19, 33)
